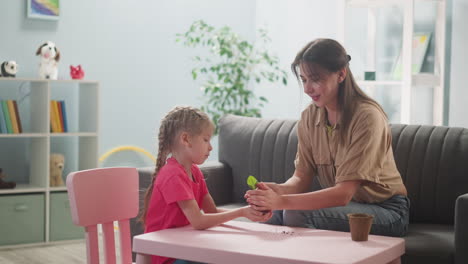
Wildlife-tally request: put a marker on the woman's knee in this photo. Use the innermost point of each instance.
(276, 218)
(294, 218)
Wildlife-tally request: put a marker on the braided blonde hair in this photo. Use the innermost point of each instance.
(180, 119)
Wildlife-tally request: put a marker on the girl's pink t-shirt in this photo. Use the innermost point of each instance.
(172, 185)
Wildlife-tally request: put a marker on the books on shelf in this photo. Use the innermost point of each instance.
(58, 117)
(10, 121)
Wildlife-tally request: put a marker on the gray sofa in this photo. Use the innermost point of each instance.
(433, 162)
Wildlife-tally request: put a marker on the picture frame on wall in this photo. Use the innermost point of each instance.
(44, 9)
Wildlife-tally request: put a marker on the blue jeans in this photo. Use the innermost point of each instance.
(391, 217)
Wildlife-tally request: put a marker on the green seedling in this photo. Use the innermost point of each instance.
(252, 182)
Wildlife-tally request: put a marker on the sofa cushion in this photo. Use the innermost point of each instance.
(145, 175)
(429, 243)
(264, 148)
(433, 163)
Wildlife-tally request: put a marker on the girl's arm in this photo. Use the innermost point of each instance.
(200, 220)
(338, 195)
(209, 206)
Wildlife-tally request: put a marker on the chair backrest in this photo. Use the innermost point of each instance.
(102, 196)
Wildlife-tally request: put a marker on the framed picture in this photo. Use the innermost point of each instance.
(44, 9)
(420, 45)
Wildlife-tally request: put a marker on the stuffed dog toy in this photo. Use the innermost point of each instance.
(8, 69)
(50, 56)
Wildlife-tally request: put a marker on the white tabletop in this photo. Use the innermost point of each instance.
(245, 242)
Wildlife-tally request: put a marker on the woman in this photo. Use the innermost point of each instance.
(343, 139)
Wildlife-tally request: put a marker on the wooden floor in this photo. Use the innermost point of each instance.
(61, 253)
(70, 253)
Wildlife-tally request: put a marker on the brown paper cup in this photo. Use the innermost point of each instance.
(360, 225)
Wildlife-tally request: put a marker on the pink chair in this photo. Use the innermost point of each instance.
(102, 196)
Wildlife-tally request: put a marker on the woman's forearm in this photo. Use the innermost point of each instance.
(312, 200)
(339, 195)
(298, 183)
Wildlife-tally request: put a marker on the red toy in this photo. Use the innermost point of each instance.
(76, 72)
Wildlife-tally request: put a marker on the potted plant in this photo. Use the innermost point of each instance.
(232, 66)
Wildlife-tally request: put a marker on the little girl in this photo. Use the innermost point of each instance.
(178, 193)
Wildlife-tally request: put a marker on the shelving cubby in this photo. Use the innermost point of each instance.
(403, 43)
(38, 213)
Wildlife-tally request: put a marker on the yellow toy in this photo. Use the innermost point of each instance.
(130, 148)
(57, 162)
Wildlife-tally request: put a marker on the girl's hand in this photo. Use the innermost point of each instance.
(264, 198)
(254, 215)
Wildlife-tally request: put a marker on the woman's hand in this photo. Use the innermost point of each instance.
(254, 215)
(264, 198)
(272, 185)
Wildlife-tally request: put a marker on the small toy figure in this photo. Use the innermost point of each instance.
(76, 72)
(8, 69)
(50, 56)
(4, 184)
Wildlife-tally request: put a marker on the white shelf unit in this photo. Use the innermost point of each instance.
(409, 80)
(24, 157)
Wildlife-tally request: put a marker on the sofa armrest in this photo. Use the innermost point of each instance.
(461, 229)
(218, 177)
(144, 178)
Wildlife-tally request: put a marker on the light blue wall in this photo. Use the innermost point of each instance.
(129, 46)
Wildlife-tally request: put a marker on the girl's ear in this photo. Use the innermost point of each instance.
(185, 139)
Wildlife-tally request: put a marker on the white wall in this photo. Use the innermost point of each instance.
(458, 110)
(292, 24)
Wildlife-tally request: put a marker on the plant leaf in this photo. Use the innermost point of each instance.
(252, 182)
(228, 67)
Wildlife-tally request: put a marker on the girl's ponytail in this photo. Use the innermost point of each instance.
(160, 161)
(181, 118)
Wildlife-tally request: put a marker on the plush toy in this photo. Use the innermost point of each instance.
(8, 69)
(57, 162)
(50, 56)
(4, 184)
(76, 72)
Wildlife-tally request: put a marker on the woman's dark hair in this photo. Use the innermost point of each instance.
(323, 56)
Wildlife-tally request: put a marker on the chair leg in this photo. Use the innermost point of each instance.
(125, 245)
(143, 259)
(92, 248)
(395, 261)
(109, 242)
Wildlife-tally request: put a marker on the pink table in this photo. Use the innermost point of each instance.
(245, 242)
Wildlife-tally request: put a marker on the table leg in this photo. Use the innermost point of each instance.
(395, 261)
(143, 259)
